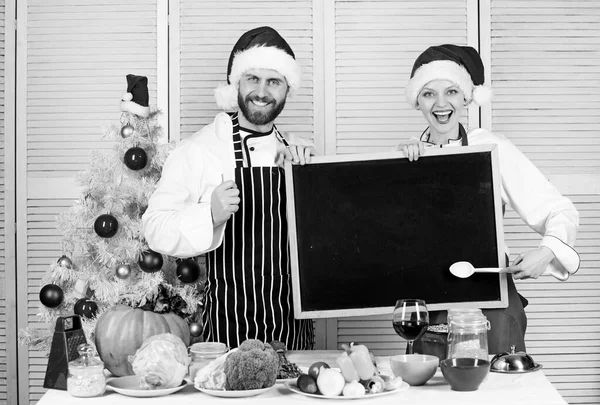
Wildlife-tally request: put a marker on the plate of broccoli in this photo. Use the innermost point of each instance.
(248, 370)
(234, 393)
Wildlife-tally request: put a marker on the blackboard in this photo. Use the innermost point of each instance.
(367, 230)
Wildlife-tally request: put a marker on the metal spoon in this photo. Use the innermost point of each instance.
(466, 269)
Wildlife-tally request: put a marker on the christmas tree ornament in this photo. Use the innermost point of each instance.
(150, 261)
(195, 329)
(123, 271)
(136, 158)
(51, 295)
(188, 271)
(136, 99)
(85, 308)
(106, 226)
(80, 289)
(127, 130)
(64, 261)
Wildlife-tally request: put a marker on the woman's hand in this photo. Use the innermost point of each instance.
(530, 264)
(412, 149)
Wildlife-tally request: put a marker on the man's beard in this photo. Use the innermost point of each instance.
(260, 117)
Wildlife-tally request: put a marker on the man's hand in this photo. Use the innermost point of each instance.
(299, 154)
(412, 149)
(224, 201)
(531, 264)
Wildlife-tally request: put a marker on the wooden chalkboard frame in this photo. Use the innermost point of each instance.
(301, 313)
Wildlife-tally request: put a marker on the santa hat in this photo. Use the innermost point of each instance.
(135, 101)
(260, 48)
(461, 65)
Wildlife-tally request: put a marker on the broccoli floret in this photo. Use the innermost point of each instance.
(254, 365)
(250, 344)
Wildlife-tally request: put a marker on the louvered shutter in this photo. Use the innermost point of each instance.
(545, 64)
(8, 339)
(3, 236)
(376, 44)
(208, 31)
(73, 58)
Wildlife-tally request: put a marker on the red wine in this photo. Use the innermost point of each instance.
(410, 330)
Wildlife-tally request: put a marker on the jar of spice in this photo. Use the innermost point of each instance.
(203, 353)
(467, 336)
(86, 374)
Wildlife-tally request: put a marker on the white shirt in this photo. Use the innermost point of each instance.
(533, 197)
(178, 221)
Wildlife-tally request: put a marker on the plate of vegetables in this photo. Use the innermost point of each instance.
(130, 386)
(357, 377)
(292, 386)
(248, 370)
(234, 393)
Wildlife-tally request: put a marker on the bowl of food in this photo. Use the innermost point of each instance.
(465, 374)
(415, 369)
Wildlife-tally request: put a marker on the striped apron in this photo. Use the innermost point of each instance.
(508, 325)
(248, 293)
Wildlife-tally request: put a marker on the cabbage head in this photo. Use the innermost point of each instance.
(161, 362)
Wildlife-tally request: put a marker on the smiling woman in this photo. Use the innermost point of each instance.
(441, 103)
(444, 80)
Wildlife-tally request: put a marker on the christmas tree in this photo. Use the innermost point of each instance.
(106, 260)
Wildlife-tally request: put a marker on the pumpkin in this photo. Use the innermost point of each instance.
(121, 330)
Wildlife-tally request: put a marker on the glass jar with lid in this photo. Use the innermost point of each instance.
(467, 363)
(467, 334)
(203, 353)
(86, 374)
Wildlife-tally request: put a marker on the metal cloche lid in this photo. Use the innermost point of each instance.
(513, 362)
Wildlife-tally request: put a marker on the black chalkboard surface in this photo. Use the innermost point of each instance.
(367, 230)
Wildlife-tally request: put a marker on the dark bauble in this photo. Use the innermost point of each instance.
(127, 131)
(188, 271)
(106, 226)
(64, 261)
(195, 329)
(123, 271)
(151, 261)
(85, 308)
(51, 295)
(136, 158)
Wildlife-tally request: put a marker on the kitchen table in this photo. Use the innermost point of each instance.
(515, 389)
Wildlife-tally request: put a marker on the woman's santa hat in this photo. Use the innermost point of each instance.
(460, 65)
(260, 48)
(136, 99)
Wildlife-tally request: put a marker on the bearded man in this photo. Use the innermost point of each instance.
(222, 192)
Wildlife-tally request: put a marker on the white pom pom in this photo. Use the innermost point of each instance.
(127, 97)
(226, 96)
(482, 94)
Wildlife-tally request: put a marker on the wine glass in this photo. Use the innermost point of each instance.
(410, 320)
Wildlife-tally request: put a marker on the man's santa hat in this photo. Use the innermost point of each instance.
(136, 99)
(260, 48)
(460, 65)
